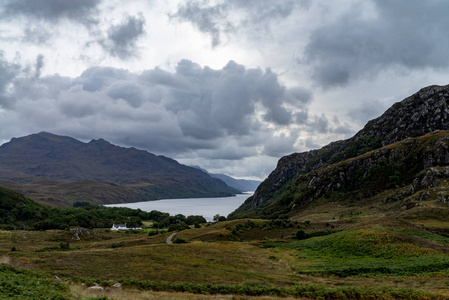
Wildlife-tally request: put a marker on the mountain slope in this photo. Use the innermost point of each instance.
(408, 171)
(104, 173)
(242, 185)
(421, 113)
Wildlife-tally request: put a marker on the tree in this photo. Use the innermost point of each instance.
(191, 220)
(300, 235)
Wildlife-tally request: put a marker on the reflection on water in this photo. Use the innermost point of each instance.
(206, 207)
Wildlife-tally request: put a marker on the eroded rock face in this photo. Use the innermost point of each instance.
(424, 112)
(412, 163)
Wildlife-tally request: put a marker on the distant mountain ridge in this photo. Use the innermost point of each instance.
(243, 185)
(98, 172)
(422, 113)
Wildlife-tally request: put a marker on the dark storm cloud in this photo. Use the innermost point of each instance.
(410, 34)
(52, 10)
(121, 39)
(227, 113)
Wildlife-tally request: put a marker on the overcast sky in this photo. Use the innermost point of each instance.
(230, 86)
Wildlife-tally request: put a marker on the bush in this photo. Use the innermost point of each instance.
(178, 227)
(152, 233)
(300, 235)
(191, 220)
(218, 218)
(179, 241)
(64, 246)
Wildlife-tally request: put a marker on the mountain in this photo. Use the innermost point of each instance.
(242, 185)
(391, 152)
(60, 170)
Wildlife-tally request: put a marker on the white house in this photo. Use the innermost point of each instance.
(123, 227)
(119, 227)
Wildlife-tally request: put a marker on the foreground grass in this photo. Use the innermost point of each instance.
(296, 291)
(380, 260)
(375, 251)
(23, 284)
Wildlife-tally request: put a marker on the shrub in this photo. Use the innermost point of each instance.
(179, 241)
(300, 235)
(191, 220)
(152, 233)
(218, 218)
(64, 246)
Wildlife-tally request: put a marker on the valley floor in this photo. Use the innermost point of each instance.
(357, 257)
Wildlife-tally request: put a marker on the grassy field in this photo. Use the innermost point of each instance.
(355, 252)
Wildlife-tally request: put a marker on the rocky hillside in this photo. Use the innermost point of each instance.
(59, 169)
(415, 116)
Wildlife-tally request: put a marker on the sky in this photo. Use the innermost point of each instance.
(229, 86)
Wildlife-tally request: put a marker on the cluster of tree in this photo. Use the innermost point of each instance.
(19, 212)
(179, 222)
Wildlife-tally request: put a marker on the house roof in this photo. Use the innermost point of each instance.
(119, 225)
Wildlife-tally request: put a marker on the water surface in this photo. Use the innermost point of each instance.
(206, 207)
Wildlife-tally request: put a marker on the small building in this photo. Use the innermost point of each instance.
(119, 227)
(123, 227)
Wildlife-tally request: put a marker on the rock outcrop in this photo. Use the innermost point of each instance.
(424, 112)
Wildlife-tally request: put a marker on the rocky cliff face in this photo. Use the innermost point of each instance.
(424, 112)
(410, 166)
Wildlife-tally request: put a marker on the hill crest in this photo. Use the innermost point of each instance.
(423, 112)
(135, 175)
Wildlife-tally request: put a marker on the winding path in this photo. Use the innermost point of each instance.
(168, 240)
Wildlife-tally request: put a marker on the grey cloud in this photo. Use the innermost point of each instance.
(298, 96)
(219, 19)
(366, 111)
(39, 65)
(320, 124)
(279, 146)
(52, 10)
(129, 91)
(302, 117)
(262, 11)
(216, 114)
(96, 78)
(269, 90)
(38, 35)
(194, 109)
(8, 72)
(122, 38)
(405, 34)
(310, 144)
(347, 131)
(207, 19)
